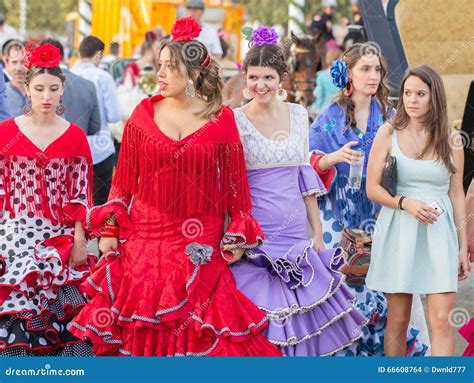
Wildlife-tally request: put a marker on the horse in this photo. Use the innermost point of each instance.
(304, 58)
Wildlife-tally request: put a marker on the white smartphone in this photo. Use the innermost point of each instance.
(435, 205)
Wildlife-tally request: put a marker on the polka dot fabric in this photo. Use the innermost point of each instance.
(42, 194)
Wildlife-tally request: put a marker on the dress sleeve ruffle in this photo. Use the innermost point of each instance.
(309, 182)
(98, 216)
(79, 191)
(329, 175)
(243, 231)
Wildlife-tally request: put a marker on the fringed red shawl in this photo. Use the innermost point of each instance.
(55, 183)
(201, 173)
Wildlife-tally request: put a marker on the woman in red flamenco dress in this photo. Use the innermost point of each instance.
(467, 331)
(45, 193)
(167, 290)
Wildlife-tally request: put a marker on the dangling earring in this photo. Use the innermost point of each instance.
(190, 91)
(349, 92)
(247, 94)
(60, 107)
(282, 94)
(27, 109)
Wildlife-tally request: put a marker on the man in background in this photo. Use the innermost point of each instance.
(81, 106)
(15, 88)
(4, 105)
(209, 35)
(102, 147)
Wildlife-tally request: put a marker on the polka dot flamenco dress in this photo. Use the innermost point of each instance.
(42, 194)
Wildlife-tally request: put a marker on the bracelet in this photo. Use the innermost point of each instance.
(400, 202)
(109, 231)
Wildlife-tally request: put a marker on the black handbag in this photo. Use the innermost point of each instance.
(389, 176)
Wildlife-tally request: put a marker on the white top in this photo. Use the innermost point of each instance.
(210, 39)
(283, 149)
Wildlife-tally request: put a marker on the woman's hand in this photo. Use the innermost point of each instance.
(464, 266)
(345, 154)
(318, 243)
(236, 251)
(420, 211)
(106, 244)
(78, 255)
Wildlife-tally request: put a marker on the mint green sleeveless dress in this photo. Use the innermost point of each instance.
(407, 256)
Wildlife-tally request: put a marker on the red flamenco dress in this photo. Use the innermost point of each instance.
(168, 291)
(42, 193)
(467, 332)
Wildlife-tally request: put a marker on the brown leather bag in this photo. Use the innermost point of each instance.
(356, 245)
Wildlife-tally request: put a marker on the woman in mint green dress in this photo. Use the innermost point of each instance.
(420, 244)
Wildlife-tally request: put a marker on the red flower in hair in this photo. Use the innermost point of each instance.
(44, 56)
(185, 29)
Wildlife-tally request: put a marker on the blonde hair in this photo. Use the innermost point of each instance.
(193, 55)
(351, 56)
(436, 120)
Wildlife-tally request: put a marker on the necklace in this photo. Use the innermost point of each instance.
(420, 152)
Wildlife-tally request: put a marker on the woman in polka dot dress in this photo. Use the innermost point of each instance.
(45, 179)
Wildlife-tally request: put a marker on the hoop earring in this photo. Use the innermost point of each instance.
(282, 94)
(189, 91)
(247, 94)
(60, 107)
(349, 92)
(27, 109)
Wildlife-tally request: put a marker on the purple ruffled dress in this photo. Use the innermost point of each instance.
(302, 292)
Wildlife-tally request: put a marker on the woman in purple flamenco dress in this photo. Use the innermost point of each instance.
(290, 277)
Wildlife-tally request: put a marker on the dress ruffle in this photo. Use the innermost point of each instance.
(309, 182)
(123, 318)
(39, 295)
(467, 332)
(244, 232)
(304, 297)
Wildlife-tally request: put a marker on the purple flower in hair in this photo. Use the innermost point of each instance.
(264, 35)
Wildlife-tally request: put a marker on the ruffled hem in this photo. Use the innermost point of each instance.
(244, 232)
(26, 333)
(118, 321)
(309, 182)
(308, 299)
(98, 215)
(78, 348)
(36, 281)
(467, 332)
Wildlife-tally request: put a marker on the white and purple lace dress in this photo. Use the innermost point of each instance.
(301, 291)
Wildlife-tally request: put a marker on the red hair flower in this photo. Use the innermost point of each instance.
(44, 56)
(185, 29)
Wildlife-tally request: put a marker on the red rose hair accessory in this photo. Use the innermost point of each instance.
(44, 56)
(185, 29)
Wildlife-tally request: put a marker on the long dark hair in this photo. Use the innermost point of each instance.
(436, 120)
(267, 55)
